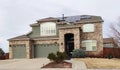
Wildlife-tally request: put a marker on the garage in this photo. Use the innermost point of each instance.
(42, 50)
(19, 51)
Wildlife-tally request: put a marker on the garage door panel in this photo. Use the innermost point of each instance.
(19, 51)
(44, 49)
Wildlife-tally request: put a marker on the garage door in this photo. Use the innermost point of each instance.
(44, 49)
(19, 51)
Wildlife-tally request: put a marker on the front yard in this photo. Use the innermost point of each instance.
(101, 63)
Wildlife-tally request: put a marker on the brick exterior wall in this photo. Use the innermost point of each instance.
(79, 36)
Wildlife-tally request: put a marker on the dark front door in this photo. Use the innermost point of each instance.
(69, 43)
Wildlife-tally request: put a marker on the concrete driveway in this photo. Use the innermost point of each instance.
(35, 64)
(23, 64)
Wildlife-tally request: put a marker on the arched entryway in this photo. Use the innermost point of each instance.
(69, 43)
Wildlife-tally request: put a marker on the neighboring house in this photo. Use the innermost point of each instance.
(109, 43)
(110, 48)
(62, 34)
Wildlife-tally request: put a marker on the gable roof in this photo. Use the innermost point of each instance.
(70, 19)
(74, 19)
(22, 37)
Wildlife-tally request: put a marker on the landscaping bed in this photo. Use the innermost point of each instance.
(58, 65)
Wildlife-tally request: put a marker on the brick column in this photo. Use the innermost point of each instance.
(10, 52)
(61, 41)
(77, 38)
(28, 48)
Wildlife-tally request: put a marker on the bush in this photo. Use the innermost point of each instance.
(51, 56)
(78, 53)
(58, 57)
(110, 56)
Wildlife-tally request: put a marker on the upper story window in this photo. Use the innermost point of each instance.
(88, 28)
(48, 29)
(89, 45)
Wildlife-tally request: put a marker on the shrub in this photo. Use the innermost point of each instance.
(51, 56)
(110, 56)
(58, 57)
(78, 53)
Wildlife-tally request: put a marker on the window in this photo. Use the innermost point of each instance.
(48, 29)
(88, 28)
(89, 45)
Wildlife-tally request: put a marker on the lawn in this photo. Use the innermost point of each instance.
(101, 63)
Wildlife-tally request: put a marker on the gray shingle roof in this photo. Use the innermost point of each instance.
(70, 19)
(22, 37)
(82, 18)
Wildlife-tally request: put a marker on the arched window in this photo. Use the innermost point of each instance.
(89, 45)
(88, 28)
(48, 29)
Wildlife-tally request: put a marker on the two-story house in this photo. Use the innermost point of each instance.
(62, 34)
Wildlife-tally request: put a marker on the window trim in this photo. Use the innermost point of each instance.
(86, 25)
(48, 30)
(91, 46)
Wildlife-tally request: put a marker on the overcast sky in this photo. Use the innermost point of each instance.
(17, 15)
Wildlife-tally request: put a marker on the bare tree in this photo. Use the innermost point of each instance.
(115, 32)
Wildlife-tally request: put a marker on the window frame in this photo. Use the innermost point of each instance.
(87, 26)
(48, 29)
(91, 42)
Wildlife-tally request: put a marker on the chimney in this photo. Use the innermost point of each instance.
(63, 18)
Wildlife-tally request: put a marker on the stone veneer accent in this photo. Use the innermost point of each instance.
(63, 31)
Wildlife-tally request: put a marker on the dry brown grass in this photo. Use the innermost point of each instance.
(101, 63)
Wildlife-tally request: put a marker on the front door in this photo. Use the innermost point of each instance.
(69, 43)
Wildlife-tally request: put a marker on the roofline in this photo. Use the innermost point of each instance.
(89, 22)
(19, 38)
